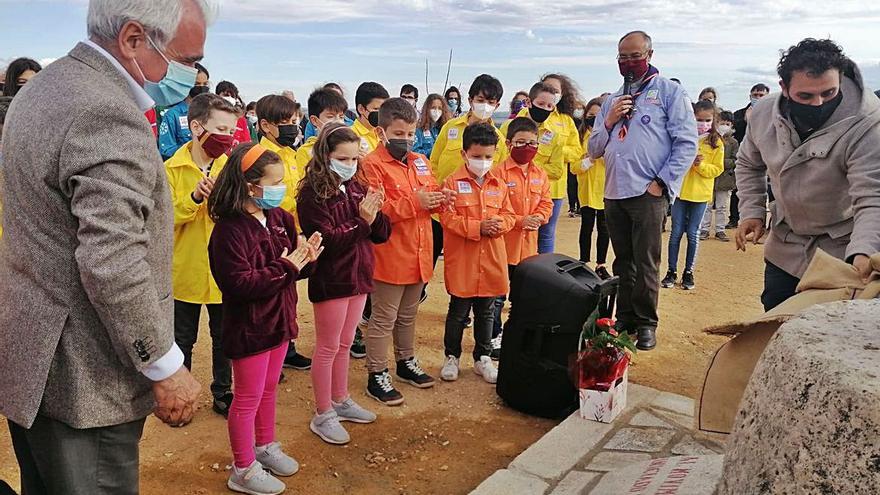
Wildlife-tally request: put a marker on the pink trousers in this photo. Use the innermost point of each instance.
(252, 414)
(335, 324)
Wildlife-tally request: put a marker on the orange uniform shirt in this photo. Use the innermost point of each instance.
(475, 266)
(407, 257)
(529, 193)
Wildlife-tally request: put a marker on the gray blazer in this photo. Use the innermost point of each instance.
(85, 258)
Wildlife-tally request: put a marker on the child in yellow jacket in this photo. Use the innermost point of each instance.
(191, 173)
(696, 192)
(325, 106)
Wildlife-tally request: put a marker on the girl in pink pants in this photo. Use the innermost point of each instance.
(335, 202)
(256, 258)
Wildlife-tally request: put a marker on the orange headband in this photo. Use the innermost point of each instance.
(251, 157)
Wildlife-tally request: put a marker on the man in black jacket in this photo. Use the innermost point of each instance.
(740, 121)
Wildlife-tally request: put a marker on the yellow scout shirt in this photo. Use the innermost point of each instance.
(591, 182)
(446, 155)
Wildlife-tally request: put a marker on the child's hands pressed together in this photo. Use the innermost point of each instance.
(430, 200)
(491, 227)
(370, 206)
(300, 256)
(532, 222)
(314, 245)
(203, 189)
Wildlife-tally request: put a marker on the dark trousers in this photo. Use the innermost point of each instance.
(779, 285)
(456, 321)
(499, 304)
(589, 218)
(55, 459)
(574, 203)
(634, 225)
(734, 208)
(186, 331)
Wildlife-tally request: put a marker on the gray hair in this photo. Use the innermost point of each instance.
(159, 17)
(644, 36)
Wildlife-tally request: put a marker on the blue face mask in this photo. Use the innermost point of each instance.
(272, 197)
(345, 172)
(175, 86)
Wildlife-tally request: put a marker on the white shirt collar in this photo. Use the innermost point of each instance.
(141, 98)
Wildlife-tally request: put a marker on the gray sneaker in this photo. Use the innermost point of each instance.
(449, 372)
(350, 410)
(328, 428)
(276, 461)
(255, 481)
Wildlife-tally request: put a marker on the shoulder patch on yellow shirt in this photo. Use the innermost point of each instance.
(453, 133)
(546, 137)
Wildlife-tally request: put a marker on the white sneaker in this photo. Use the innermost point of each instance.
(449, 372)
(254, 481)
(328, 428)
(275, 460)
(486, 368)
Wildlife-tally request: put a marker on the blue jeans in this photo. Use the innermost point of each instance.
(686, 219)
(547, 232)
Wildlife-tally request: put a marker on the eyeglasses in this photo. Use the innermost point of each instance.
(520, 144)
(632, 56)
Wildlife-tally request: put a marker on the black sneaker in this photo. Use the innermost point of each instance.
(358, 347)
(380, 388)
(669, 280)
(687, 281)
(731, 225)
(602, 272)
(409, 371)
(496, 348)
(722, 236)
(297, 361)
(704, 234)
(222, 404)
(282, 378)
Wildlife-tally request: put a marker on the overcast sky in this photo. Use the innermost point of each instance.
(265, 46)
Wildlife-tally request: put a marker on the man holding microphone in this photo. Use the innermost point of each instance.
(647, 134)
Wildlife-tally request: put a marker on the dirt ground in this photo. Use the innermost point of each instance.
(444, 440)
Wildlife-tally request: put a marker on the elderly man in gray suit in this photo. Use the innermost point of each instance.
(86, 337)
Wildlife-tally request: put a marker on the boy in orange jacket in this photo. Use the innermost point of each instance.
(475, 256)
(529, 189)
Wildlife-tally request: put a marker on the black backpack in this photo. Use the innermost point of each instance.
(551, 296)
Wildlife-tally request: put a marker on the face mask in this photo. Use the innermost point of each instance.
(252, 119)
(578, 113)
(539, 115)
(812, 117)
(175, 86)
(272, 197)
(590, 121)
(753, 100)
(725, 129)
(637, 68)
(703, 128)
(452, 103)
(399, 148)
(557, 97)
(215, 145)
(287, 134)
(483, 111)
(373, 118)
(345, 172)
(436, 113)
(523, 154)
(479, 167)
(518, 105)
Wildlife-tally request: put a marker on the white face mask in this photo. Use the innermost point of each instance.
(578, 113)
(479, 167)
(436, 113)
(483, 111)
(725, 129)
(557, 97)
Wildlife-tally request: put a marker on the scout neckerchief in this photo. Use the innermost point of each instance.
(649, 76)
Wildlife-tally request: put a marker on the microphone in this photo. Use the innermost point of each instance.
(627, 89)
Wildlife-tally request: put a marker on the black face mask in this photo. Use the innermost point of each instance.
(373, 118)
(287, 134)
(590, 121)
(808, 118)
(399, 148)
(539, 115)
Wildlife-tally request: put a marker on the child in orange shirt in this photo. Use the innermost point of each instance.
(529, 191)
(475, 257)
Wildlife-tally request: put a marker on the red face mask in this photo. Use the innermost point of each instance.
(215, 145)
(638, 68)
(523, 154)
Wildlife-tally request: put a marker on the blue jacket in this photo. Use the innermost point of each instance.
(661, 142)
(174, 130)
(425, 140)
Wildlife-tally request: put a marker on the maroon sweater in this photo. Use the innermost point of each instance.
(258, 286)
(346, 267)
